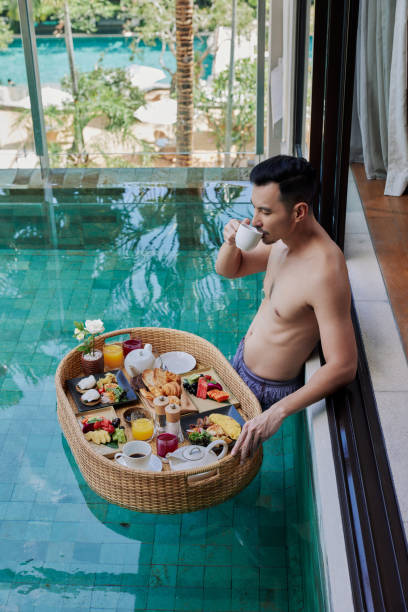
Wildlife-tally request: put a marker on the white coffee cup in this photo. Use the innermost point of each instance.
(247, 237)
(136, 447)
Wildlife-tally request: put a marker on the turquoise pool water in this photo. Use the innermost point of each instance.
(143, 255)
(53, 61)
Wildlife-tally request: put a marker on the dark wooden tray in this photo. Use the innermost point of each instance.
(122, 382)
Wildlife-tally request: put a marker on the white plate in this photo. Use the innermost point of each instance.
(154, 465)
(177, 362)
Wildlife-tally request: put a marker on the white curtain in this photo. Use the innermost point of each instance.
(379, 130)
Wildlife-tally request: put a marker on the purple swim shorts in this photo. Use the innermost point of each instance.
(267, 391)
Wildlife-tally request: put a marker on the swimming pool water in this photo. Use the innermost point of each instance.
(116, 51)
(139, 256)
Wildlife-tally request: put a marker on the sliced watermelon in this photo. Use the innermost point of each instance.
(202, 388)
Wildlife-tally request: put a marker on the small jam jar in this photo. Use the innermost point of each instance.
(131, 345)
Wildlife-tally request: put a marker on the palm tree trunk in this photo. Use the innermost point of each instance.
(228, 127)
(78, 144)
(185, 78)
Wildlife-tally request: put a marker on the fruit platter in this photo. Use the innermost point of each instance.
(104, 430)
(206, 390)
(154, 444)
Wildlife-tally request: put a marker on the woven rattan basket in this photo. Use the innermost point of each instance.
(160, 492)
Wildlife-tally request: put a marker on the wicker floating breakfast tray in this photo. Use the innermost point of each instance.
(159, 492)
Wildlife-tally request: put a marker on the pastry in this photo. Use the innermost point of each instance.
(172, 388)
(86, 383)
(90, 397)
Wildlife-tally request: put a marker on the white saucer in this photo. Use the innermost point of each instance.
(177, 362)
(154, 465)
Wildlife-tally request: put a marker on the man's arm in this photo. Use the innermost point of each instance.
(232, 262)
(331, 302)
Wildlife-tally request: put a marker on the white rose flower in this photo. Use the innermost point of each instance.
(79, 335)
(94, 327)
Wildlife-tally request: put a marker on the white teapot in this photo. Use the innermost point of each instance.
(187, 457)
(139, 359)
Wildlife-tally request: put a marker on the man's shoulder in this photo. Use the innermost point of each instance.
(329, 257)
(329, 270)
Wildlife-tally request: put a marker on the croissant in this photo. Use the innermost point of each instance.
(160, 378)
(173, 377)
(146, 394)
(172, 388)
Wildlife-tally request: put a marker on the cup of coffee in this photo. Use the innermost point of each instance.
(135, 454)
(247, 237)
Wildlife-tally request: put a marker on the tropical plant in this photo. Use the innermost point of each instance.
(6, 35)
(185, 80)
(211, 100)
(152, 20)
(103, 92)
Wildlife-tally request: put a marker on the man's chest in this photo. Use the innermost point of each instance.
(286, 291)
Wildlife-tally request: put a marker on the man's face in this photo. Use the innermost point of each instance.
(270, 215)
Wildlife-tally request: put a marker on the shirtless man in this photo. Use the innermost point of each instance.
(306, 299)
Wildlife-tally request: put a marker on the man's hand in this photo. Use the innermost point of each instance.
(231, 229)
(258, 430)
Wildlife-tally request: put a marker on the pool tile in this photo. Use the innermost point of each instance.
(274, 600)
(217, 577)
(86, 552)
(165, 553)
(191, 554)
(135, 575)
(273, 578)
(105, 597)
(190, 600)
(166, 534)
(217, 600)
(163, 575)
(132, 598)
(245, 600)
(190, 576)
(6, 490)
(218, 555)
(18, 511)
(161, 598)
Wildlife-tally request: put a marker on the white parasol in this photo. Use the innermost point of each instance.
(50, 97)
(146, 77)
(162, 112)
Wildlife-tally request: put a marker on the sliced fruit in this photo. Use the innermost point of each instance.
(202, 388)
(218, 396)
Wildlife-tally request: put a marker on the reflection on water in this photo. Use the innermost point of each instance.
(139, 257)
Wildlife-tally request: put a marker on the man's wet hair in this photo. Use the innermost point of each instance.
(296, 177)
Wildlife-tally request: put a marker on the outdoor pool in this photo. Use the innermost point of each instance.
(138, 256)
(116, 51)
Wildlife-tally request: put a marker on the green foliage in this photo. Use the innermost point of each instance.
(211, 100)
(6, 35)
(104, 92)
(84, 15)
(152, 20)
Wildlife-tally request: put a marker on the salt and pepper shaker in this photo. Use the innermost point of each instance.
(160, 404)
(173, 421)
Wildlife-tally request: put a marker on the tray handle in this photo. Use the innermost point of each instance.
(205, 477)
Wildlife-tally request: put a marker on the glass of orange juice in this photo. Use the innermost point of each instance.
(142, 428)
(112, 356)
